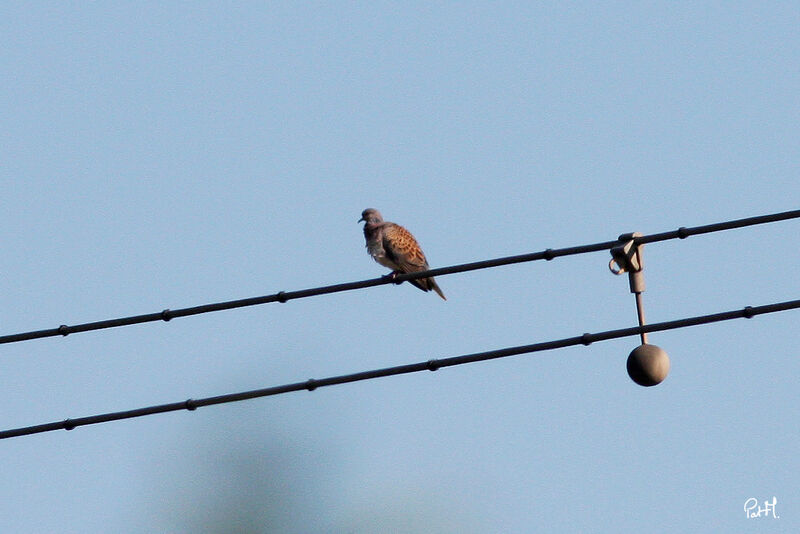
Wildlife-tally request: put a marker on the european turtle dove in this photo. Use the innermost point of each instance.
(394, 247)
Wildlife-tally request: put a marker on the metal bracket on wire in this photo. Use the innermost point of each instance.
(627, 258)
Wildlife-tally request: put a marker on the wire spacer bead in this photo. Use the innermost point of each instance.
(64, 330)
(166, 315)
(311, 384)
(748, 312)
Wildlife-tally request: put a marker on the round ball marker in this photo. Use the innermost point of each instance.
(648, 365)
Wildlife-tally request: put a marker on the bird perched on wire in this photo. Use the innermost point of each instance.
(394, 247)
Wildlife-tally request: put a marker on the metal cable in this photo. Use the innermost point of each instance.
(430, 365)
(283, 296)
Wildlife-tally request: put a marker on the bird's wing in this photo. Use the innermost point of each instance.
(403, 249)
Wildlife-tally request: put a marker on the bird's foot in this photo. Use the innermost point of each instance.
(393, 276)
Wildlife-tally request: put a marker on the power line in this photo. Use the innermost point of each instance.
(283, 296)
(430, 365)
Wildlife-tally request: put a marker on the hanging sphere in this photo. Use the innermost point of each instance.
(648, 365)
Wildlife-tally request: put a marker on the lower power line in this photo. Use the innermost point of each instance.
(430, 365)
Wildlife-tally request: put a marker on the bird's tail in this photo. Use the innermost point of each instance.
(427, 284)
(433, 285)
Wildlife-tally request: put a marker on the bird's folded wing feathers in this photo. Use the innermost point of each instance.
(404, 250)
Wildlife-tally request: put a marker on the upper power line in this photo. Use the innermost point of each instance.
(429, 365)
(283, 296)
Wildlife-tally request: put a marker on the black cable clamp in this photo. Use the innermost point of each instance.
(648, 365)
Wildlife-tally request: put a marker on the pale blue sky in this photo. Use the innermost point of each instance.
(166, 155)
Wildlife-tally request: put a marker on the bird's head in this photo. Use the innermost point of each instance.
(371, 216)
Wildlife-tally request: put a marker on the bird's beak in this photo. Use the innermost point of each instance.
(360, 220)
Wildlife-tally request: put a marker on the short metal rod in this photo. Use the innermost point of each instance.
(640, 315)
